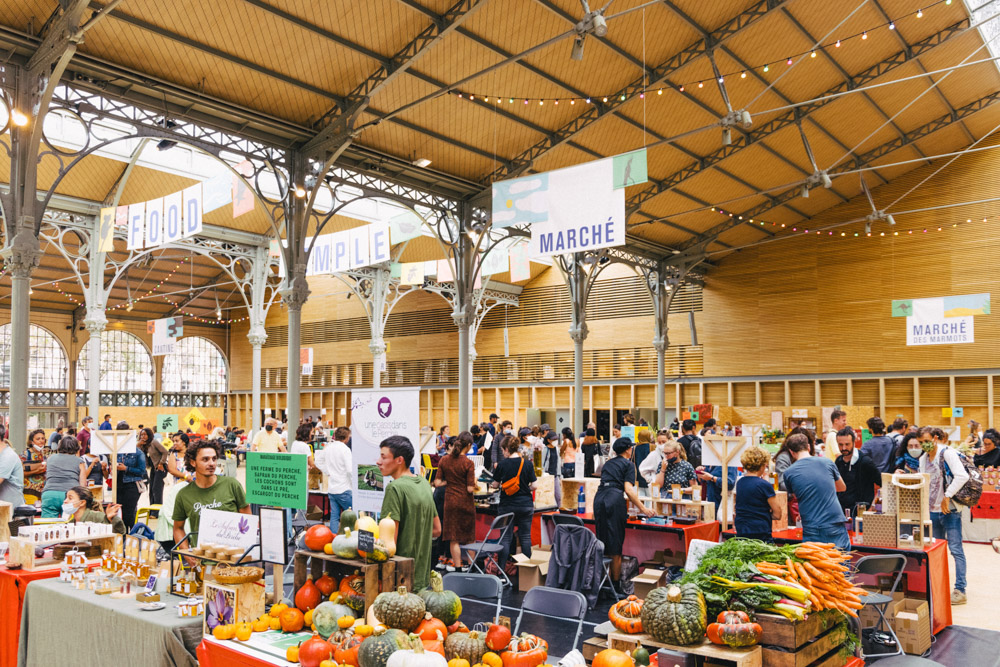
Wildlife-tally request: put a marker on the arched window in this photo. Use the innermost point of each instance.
(48, 367)
(126, 364)
(197, 366)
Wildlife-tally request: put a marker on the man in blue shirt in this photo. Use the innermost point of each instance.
(815, 481)
(880, 447)
(106, 424)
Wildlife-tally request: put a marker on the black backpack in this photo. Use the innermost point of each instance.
(972, 490)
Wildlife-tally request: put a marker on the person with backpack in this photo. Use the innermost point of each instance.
(516, 480)
(948, 477)
(690, 442)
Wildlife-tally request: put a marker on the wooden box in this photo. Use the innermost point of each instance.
(6, 514)
(782, 523)
(702, 510)
(378, 577)
(813, 642)
(741, 657)
(880, 530)
(22, 551)
(571, 493)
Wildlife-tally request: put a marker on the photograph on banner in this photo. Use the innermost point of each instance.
(405, 226)
(278, 479)
(230, 529)
(306, 359)
(107, 231)
(376, 415)
(103, 442)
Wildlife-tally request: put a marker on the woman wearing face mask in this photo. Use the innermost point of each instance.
(80, 506)
(673, 469)
(948, 475)
(34, 465)
(64, 470)
(908, 454)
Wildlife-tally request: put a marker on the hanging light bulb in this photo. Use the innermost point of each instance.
(743, 75)
(892, 25)
(920, 13)
(788, 62)
(864, 35)
(605, 99)
(812, 54)
(659, 92)
(701, 84)
(837, 44)
(766, 68)
(300, 191)
(681, 89)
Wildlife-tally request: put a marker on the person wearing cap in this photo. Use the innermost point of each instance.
(611, 507)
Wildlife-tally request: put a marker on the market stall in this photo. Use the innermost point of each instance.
(643, 538)
(926, 571)
(87, 625)
(486, 515)
(982, 523)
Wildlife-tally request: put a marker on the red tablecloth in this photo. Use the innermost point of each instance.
(926, 572)
(12, 585)
(988, 507)
(218, 654)
(484, 520)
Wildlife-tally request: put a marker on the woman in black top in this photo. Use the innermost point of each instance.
(990, 451)
(521, 502)
(611, 508)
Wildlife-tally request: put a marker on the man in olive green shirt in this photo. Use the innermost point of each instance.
(208, 491)
(410, 503)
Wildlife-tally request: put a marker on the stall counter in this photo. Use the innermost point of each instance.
(643, 538)
(486, 515)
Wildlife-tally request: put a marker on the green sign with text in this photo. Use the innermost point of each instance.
(279, 479)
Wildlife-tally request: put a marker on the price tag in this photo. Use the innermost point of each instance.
(366, 541)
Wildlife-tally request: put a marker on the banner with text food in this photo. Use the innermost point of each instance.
(376, 415)
(573, 209)
(278, 479)
(948, 320)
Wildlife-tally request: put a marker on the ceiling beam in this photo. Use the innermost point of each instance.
(863, 160)
(792, 116)
(656, 76)
(190, 298)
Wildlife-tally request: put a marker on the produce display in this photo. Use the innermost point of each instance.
(675, 614)
(820, 568)
(626, 615)
(440, 603)
(400, 609)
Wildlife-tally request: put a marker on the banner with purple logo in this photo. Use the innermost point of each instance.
(376, 415)
(229, 529)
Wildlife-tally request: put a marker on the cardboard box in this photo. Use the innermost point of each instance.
(531, 571)
(912, 624)
(649, 579)
(867, 615)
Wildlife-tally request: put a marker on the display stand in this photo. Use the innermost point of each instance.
(113, 443)
(22, 551)
(741, 657)
(724, 448)
(385, 576)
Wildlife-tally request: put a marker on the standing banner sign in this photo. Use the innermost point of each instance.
(376, 415)
(278, 479)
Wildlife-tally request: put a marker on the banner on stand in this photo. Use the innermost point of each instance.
(376, 415)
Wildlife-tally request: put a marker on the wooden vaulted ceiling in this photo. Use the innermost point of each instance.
(292, 61)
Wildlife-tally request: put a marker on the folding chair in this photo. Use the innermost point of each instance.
(479, 586)
(144, 514)
(557, 603)
(571, 520)
(490, 547)
(876, 565)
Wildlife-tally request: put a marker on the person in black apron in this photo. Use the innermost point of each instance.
(611, 506)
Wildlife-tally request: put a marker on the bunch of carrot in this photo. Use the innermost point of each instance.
(820, 568)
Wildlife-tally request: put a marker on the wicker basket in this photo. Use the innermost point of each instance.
(238, 575)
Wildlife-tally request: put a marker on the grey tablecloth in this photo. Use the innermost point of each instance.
(61, 625)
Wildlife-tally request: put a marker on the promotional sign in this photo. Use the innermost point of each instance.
(306, 359)
(167, 423)
(376, 415)
(279, 479)
(942, 320)
(230, 529)
(273, 545)
(106, 235)
(165, 332)
(112, 442)
(193, 420)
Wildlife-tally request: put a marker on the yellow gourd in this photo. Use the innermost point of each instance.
(365, 522)
(387, 531)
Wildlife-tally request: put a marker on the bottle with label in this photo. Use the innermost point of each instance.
(581, 501)
(106, 560)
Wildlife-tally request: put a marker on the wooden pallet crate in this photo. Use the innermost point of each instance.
(22, 551)
(379, 577)
(702, 510)
(813, 642)
(741, 657)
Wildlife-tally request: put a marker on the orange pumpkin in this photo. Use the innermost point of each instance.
(223, 632)
(352, 592)
(435, 645)
(430, 627)
(626, 615)
(326, 584)
(292, 620)
(292, 654)
(243, 631)
(346, 652)
(610, 657)
(260, 625)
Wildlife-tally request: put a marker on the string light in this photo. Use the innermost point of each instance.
(789, 60)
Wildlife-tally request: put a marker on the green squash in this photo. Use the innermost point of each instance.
(376, 649)
(399, 609)
(675, 615)
(441, 604)
(641, 656)
(325, 617)
(468, 645)
(348, 519)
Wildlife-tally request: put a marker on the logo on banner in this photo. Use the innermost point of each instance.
(384, 407)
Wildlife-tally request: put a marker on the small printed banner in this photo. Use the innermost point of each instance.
(494, 262)
(630, 169)
(412, 273)
(405, 226)
(165, 332)
(167, 423)
(444, 272)
(194, 420)
(520, 265)
(107, 232)
(278, 479)
(218, 191)
(395, 270)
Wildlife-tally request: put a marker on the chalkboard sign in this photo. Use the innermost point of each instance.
(366, 541)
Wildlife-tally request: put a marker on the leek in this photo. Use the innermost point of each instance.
(787, 589)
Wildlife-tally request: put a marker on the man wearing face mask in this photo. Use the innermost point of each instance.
(268, 440)
(858, 470)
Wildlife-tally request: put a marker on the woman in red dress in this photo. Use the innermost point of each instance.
(457, 474)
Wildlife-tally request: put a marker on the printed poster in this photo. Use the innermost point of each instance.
(167, 423)
(107, 231)
(945, 320)
(376, 415)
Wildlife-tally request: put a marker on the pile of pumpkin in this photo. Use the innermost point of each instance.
(345, 543)
(678, 615)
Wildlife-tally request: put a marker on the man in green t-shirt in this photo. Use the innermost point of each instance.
(410, 503)
(208, 491)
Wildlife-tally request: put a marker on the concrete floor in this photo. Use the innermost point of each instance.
(981, 589)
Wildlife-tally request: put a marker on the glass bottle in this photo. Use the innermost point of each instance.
(537, 460)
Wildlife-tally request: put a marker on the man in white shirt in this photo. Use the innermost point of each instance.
(839, 420)
(267, 440)
(337, 463)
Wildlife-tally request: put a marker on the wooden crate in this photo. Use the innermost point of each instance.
(702, 510)
(22, 551)
(880, 530)
(6, 514)
(592, 647)
(814, 642)
(782, 523)
(379, 577)
(741, 657)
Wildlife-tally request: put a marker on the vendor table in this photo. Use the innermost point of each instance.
(215, 653)
(643, 539)
(62, 625)
(930, 574)
(486, 515)
(982, 522)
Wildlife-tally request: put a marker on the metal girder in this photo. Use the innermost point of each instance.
(756, 135)
(655, 76)
(337, 125)
(863, 160)
(197, 293)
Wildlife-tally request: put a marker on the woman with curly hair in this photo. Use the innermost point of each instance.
(756, 503)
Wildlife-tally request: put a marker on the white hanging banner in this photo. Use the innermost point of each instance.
(375, 415)
(136, 226)
(359, 247)
(107, 230)
(340, 243)
(192, 210)
(172, 223)
(154, 223)
(218, 192)
(378, 243)
(319, 256)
